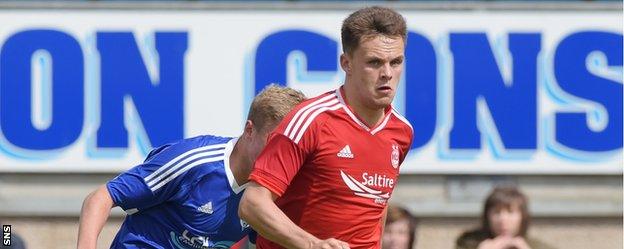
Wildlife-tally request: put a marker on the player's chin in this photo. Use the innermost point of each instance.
(383, 102)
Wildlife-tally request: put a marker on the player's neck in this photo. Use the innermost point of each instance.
(370, 116)
(240, 165)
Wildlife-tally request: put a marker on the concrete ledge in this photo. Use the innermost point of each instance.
(61, 195)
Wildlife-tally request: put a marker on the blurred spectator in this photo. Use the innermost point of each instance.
(400, 229)
(505, 222)
(16, 242)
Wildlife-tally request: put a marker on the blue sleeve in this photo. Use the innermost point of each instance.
(142, 187)
(162, 175)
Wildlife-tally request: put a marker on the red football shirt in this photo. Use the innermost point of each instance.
(332, 173)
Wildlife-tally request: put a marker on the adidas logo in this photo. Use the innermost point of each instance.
(345, 152)
(206, 208)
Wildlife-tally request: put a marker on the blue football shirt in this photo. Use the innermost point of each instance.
(184, 195)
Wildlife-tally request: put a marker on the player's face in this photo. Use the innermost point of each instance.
(505, 221)
(375, 68)
(396, 235)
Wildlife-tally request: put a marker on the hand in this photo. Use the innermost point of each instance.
(500, 242)
(330, 244)
(519, 243)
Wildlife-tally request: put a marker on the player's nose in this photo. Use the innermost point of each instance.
(386, 72)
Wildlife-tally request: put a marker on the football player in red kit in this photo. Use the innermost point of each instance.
(329, 168)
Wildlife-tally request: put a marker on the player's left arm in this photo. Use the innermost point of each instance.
(383, 218)
(383, 224)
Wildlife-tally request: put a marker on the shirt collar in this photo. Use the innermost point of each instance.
(236, 188)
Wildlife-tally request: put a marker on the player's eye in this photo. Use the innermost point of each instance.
(397, 62)
(375, 62)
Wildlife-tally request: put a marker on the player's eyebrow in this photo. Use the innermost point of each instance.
(398, 59)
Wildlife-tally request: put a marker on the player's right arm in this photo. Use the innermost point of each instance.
(258, 209)
(273, 170)
(143, 186)
(285, 153)
(95, 211)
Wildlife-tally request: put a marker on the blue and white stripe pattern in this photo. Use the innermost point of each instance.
(184, 189)
(183, 163)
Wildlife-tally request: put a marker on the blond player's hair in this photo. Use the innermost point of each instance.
(271, 105)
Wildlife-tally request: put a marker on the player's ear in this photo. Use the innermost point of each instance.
(345, 63)
(249, 128)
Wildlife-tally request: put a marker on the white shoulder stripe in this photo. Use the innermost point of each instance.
(402, 119)
(181, 164)
(180, 157)
(294, 119)
(186, 168)
(312, 117)
(306, 116)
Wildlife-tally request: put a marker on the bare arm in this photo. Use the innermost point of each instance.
(95, 211)
(383, 223)
(257, 208)
(383, 219)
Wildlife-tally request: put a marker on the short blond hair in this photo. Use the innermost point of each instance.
(271, 105)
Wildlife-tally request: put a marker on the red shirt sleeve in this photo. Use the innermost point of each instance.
(279, 163)
(406, 147)
(288, 147)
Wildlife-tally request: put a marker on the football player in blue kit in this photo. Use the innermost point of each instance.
(186, 194)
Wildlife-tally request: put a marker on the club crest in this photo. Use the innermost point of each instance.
(395, 156)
